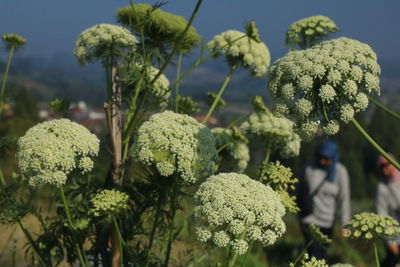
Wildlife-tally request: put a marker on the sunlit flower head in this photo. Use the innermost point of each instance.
(176, 144)
(233, 209)
(309, 31)
(102, 41)
(51, 150)
(325, 84)
(252, 55)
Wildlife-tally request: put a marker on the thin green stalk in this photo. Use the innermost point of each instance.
(374, 144)
(222, 147)
(383, 107)
(3, 85)
(32, 244)
(153, 230)
(230, 260)
(78, 248)
(120, 240)
(238, 119)
(221, 91)
(180, 38)
(247, 254)
(202, 60)
(376, 256)
(302, 252)
(178, 73)
(174, 199)
(268, 152)
(2, 180)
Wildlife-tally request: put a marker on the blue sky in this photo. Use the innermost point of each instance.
(52, 25)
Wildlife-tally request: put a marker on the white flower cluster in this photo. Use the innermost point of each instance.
(176, 144)
(159, 90)
(306, 261)
(235, 156)
(102, 40)
(49, 151)
(277, 130)
(109, 202)
(253, 56)
(308, 31)
(328, 83)
(233, 209)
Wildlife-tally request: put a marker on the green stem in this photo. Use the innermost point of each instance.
(383, 107)
(376, 256)
(230, 261)
(238, 119)
(153, 230)
(221, 91)
(248, 251)
(32, 244)
(268, 152)
(5, 77)
(223, 146)
(78, 248)
(374, 144)
(171, 222)
(202, 60)
(2, 180)
(178, 73)
(180, 38)
(120, 239)
(302, 252)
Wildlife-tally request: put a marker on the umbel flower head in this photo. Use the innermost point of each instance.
(325, 84)
(159, 91)
(369, 225)
(241, 49)
(279, 178)
(176, 144)
(309, 31)
(102, 41)
(186, 105)
(306, 261)
(51, 150)
(109, 202)
(233, 209)
(160, 28)
(276, 130)
(13, 40)
(235, 154)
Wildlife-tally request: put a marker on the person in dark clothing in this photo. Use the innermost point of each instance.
(323, 187)
(388, 204)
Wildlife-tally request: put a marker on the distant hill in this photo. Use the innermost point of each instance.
(61, 76)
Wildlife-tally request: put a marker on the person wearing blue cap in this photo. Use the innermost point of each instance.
(323, 187)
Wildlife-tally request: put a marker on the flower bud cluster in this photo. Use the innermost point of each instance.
(309, 31)
(276, 130)
(103, 40)
(240, 49)
(279, 178)
(176, 144)
(13, 40)
(233, 209)
(51, 150)
(325, 84)
(158, 26)
(368, 225)
(306, 261)
(109, 202)
(159, 91)
(235, 155)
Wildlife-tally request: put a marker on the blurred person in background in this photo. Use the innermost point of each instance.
(323, 188)
(388, 203)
